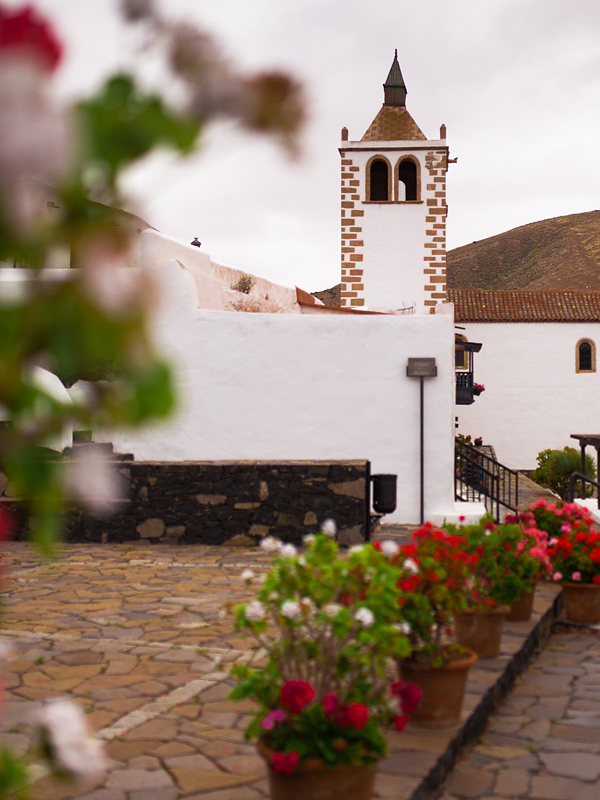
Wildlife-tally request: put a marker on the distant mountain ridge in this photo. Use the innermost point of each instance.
(558, 253)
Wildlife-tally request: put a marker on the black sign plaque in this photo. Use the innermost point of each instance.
(421, 368)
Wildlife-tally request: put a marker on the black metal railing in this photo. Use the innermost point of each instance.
(464, 387)
(583, 480)
(479, 477)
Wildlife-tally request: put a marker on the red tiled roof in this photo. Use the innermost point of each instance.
(305, 299)
(489, 305)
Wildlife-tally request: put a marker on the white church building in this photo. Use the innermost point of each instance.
(294, 379)
(270, 373)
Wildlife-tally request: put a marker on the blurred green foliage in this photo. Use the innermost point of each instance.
(60, 325)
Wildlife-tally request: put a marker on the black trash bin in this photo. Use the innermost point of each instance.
(384, 493)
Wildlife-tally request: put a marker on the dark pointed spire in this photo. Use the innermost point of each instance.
(394, 89)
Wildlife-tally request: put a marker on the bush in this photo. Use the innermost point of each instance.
(555, 468)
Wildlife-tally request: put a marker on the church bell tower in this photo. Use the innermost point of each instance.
(394, 211)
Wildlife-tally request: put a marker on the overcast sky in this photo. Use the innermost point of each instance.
(517, 83)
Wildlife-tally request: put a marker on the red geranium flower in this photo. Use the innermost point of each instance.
(7, 524)
(409, 694)
(294, 695)
(285, 763)
(330, 702)
(400, 722)
(25, 31)
(356, 715)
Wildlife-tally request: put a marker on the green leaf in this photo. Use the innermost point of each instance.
(122, 123)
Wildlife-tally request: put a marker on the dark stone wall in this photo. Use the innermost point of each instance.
(232, 502)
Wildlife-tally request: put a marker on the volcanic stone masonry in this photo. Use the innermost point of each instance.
(229, 502)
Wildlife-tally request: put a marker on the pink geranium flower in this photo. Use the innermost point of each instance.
(272, 719)
(576, 576)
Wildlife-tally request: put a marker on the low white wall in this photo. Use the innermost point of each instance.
(533, 397)
(212, 284)
(265, 386)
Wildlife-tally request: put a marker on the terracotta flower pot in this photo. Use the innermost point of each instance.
(582, 601)
(314, 780)
(521, 609)
(443, 689)
(481, 630)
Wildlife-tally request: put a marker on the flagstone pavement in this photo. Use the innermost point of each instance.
(138, 636)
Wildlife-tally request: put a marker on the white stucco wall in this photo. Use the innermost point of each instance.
(264, 386)
(393, 260)
(533, 397)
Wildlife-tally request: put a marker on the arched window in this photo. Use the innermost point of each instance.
(408, 180)
(585, 356)
(378, 181)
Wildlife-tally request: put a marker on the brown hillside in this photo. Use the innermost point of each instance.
(559, 253)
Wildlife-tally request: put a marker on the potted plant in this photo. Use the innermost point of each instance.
(511, 559)
(434, 585)
(574, 552)
(478, 388)
(327, 624)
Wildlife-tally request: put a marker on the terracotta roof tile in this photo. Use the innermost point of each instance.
(391, 124)
(483, 305)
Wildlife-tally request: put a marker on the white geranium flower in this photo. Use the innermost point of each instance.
(308, 539)
(270, 544)
(255, 611)
(329, 528)
(291, 610)
(356, 548)
(309, 603)
(302, 561)
(273, 596)
(403, 627)
(411, 565)
(331, 609)
(247, 575)
(288, 551)
(365, 616)
(72, 748)
(389, 548)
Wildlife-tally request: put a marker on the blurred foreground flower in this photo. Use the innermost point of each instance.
(24, 32)
(67, 742)
(268, 102)
(34, 130)
(92, 480)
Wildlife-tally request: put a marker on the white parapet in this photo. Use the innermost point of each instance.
(591, 505)
(463, 514)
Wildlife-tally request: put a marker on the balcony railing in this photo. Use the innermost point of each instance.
(464, 388)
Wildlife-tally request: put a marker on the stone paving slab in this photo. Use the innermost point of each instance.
(137, 636)
(544, 742)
